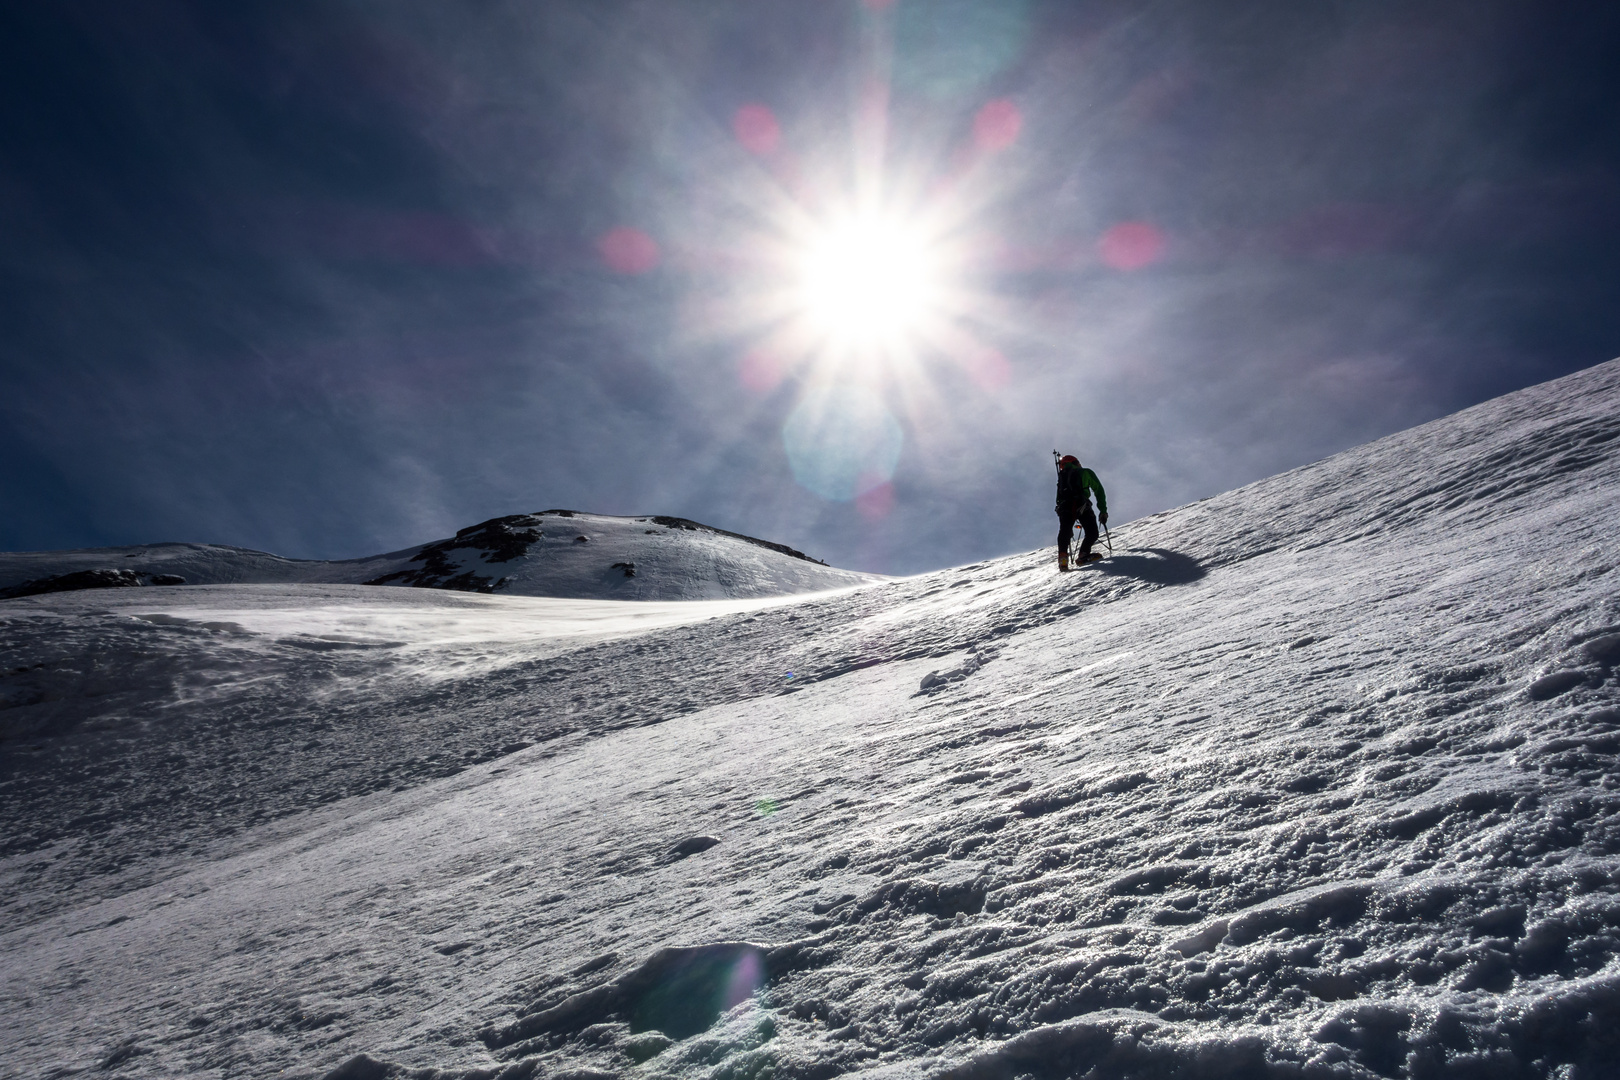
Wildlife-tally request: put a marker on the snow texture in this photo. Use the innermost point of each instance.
(1315, 778)
(552, 553)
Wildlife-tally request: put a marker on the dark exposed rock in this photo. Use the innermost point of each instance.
(168, 579)
(437, 572)
(501, 539)
(79, 579)
(497, 540)
(629, 568)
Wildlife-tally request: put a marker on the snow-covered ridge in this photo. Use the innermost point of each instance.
(1316, 778)
(560, 553)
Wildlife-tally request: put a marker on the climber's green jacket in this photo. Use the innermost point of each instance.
(1074, 483)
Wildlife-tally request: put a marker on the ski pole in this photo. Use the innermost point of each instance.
(1109, 540)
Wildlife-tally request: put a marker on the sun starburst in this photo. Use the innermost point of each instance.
(870, 283)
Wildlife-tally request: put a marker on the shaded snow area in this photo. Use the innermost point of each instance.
(552, 553)
(1316, 778)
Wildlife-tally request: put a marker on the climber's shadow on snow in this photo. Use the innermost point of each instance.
(1158, 566)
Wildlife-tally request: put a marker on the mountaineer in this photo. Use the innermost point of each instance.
(1075, 484)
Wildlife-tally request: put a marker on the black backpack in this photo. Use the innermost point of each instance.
(1071, 491)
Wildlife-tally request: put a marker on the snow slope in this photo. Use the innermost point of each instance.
(1315, 778)
(552, 553)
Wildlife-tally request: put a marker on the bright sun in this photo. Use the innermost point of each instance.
(869, 282)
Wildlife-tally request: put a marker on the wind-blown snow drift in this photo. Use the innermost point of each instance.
(1313, 778)
(551, 553)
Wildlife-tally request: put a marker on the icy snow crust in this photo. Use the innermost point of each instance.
(1315, 778)
(552, 553)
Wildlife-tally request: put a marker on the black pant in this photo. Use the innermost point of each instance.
(1067, 516)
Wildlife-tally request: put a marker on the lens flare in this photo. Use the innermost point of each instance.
(876, 502)
(841, 441)
(746, 980)
(869, 281)
(761, 370)
(628, 251)
(757, 129)
(1131, 245)
(996, 125)
(947, 48)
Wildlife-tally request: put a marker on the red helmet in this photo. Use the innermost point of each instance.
(1069, 459)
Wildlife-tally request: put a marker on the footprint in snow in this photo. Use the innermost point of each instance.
(691, 846)
(937, 680)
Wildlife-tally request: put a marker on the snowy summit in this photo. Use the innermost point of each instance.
(550, 553)
(1315, 778)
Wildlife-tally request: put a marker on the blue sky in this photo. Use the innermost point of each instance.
(332, 279)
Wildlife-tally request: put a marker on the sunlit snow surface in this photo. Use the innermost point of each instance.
(1314, 778)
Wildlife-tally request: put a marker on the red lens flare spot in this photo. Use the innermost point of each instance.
(628, 251)
(756, 128)
(1131, 245)
(876, 503)
(996, 126)
(989, 369)
(761, 371)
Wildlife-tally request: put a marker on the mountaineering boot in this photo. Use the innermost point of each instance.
(1063, 560)
(1090, 557)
